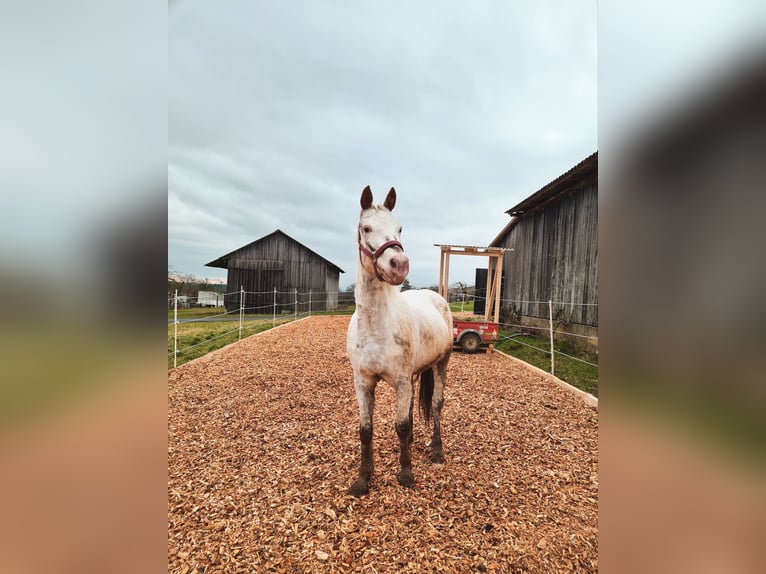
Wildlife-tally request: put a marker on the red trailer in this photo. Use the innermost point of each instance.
(471, 335)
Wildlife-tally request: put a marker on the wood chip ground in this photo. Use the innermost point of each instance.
(263, 445)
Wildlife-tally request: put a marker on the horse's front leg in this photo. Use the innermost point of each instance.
(365, 396)
(404, 394)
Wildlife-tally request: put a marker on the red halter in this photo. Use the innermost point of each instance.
(378, 252)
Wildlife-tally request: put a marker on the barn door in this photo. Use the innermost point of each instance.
(271, 280)
(480, 284)
(259, 286)
(480, 302)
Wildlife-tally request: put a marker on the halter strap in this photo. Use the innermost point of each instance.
(378, 252)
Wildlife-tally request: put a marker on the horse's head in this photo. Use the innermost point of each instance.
(380, 251)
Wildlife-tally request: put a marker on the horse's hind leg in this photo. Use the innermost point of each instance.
(412, 403)
(404, 399)
(437, 401)
(365, 395)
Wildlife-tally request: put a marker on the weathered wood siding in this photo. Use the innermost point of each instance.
(331, 289)
(554, 257)
(281, 263)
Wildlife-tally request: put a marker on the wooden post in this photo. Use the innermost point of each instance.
(489, 296)
(241, 308)
(550, 324)
(441, 271)
(446, 277)
(499, 278)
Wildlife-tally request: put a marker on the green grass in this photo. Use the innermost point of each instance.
(458, 306)
(576, 373)
(209, 336)
(198, 312)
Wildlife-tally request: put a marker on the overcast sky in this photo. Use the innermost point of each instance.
(280, 113)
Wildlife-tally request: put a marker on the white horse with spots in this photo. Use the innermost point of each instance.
(394, 337)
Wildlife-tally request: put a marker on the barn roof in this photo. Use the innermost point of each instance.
(583, 173)
(223, 260)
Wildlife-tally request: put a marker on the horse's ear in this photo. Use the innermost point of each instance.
(366, 200)
(390, 200)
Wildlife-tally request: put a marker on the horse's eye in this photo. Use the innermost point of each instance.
(367, 229)
(400, 230)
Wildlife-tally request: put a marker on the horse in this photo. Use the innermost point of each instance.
(396, 337)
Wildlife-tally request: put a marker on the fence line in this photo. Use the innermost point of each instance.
(546, 329)
(577, 359)
(468, 297)
(553, 350)
(206, 341)
(524, 327)
(175, 330)
(208, 317)
(296, 303)
(463, 297)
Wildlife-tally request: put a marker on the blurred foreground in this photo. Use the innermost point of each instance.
(82, 241)
(682, 275)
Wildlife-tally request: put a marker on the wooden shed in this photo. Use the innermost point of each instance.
(277, 261)
(554, 237)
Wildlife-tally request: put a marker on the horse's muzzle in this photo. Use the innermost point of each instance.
(398, 268)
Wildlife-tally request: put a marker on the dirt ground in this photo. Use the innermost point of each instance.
(263, 445)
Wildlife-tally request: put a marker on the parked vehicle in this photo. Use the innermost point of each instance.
(472, 335)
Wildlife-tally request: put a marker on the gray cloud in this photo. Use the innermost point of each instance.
(279, 114)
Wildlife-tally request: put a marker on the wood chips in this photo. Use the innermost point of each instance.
(263, 444)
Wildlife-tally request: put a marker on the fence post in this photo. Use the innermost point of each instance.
(274, 317)
(175, 329)
(309, 302)
(241, 308)
(295, 314)
(550, 324)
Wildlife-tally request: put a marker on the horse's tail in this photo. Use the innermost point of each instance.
(426, 393)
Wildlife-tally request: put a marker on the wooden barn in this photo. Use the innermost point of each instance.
(554, 237)
(277, 261)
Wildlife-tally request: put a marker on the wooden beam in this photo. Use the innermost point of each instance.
(499, 280)
(490, 297)
(495, 254)
(446, 278)
(441, 271)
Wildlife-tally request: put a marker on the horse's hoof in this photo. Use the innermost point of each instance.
(437, 459)
(406, 478)
(359, 488)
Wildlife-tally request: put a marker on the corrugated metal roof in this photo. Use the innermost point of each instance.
(472, 248)
(583, 171)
